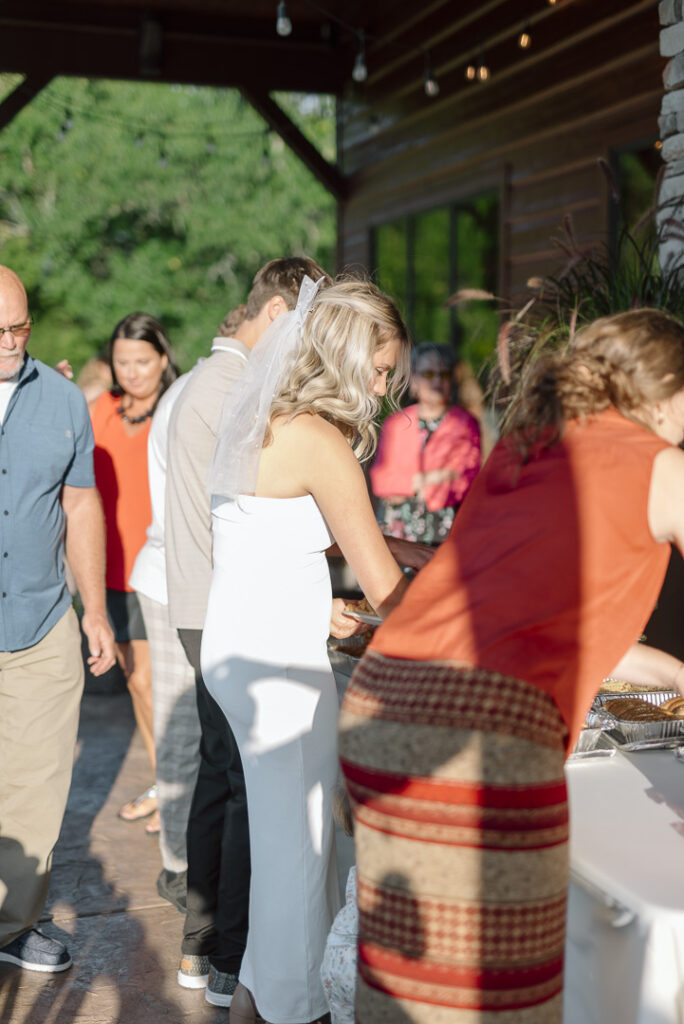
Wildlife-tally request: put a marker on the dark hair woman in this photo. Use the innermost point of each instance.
(141, 361)
(455, 729)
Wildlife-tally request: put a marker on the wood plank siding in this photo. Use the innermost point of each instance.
(590, 85)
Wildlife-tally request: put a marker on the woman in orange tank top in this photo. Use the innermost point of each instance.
(455, 728)
(142, 368)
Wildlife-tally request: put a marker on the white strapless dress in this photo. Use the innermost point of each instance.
(265, 662)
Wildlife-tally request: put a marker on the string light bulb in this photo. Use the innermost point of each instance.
(283, 23)
(525, 39)
(483, 72)
(471, 72)
(360, 71)
(431, 83)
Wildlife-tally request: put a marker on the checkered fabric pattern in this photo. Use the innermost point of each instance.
(176, 731)
(461, 827)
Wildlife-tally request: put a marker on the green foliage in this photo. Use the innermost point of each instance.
(116, 197)
(595, 282)
(477, 236)
(599, 282)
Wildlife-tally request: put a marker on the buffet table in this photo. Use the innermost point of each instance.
(625, 942)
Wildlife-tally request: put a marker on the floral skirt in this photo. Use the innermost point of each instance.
(411, 520)
(456, 779)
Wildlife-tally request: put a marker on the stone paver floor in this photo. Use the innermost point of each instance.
(124, 939)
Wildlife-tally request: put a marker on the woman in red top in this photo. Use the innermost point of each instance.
(142, 368)
(456, 725)
(428, 454)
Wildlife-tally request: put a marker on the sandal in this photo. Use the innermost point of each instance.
(153, 826)
(140, 807)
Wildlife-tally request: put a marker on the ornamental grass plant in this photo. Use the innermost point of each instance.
(595, 281)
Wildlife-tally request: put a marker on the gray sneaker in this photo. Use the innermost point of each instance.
(35, 951)
(193, 971)
(221, 988)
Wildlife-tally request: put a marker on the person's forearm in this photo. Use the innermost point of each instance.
(409, 553)
(85, 549)
(390, 602)
(651, 667)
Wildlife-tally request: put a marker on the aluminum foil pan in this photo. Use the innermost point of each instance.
(639, 735)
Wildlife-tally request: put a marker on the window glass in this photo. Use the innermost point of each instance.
(391, 262)
(422, 259)
(636, 178)
(476, 256)
(431, 276)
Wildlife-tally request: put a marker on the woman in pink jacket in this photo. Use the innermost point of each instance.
(428, 454)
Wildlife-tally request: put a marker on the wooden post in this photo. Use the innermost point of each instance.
(21, 96)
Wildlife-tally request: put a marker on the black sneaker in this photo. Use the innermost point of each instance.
(172, 886)
(36, 952)
(221, 988)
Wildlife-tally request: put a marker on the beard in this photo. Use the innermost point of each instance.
(10, 365)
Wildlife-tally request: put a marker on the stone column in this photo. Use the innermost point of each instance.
(671, 130)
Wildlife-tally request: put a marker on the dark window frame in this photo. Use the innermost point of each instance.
(453, 206)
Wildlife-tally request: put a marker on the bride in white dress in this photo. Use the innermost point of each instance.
(280, 503)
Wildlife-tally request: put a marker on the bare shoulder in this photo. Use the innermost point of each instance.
(668, 467)
(311, 433)
(666, 496)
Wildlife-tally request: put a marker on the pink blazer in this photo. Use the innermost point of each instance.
(455, 444)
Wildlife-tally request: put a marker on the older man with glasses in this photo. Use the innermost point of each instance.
(48, 508)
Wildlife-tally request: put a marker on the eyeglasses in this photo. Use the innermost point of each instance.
(431, 374)
(19, 331)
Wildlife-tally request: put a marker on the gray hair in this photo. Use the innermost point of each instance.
(444, 353)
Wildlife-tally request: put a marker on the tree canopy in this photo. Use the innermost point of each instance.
(118, 197)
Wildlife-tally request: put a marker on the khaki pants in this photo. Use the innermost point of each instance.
(40, 694)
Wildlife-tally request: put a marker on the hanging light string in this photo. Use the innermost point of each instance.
(140, 130)
(474, 72)
(283, 22)
(151, 135)
(431, 85)
(360, 71)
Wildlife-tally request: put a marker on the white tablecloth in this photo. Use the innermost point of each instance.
(625, 943)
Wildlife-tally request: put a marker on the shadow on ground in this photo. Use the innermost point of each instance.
(124, 939)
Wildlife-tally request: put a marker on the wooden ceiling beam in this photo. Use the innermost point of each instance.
(21, 96)
(276, 118)
(186, 55)
(561, 46)
(463, 40)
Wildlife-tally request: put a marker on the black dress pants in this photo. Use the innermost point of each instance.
(218, 836)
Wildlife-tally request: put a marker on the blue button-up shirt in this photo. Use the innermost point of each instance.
(45, 441)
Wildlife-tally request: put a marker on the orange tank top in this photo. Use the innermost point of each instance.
(121, 478)
(550, 571)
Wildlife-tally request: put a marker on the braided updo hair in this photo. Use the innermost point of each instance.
(628, 361)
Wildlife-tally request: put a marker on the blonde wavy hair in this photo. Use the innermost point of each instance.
(333, 370)
(629, 361)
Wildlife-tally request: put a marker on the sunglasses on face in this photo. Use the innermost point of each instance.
(19, 331)
(433, 374)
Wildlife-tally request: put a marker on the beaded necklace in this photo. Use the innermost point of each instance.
(133, 420)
